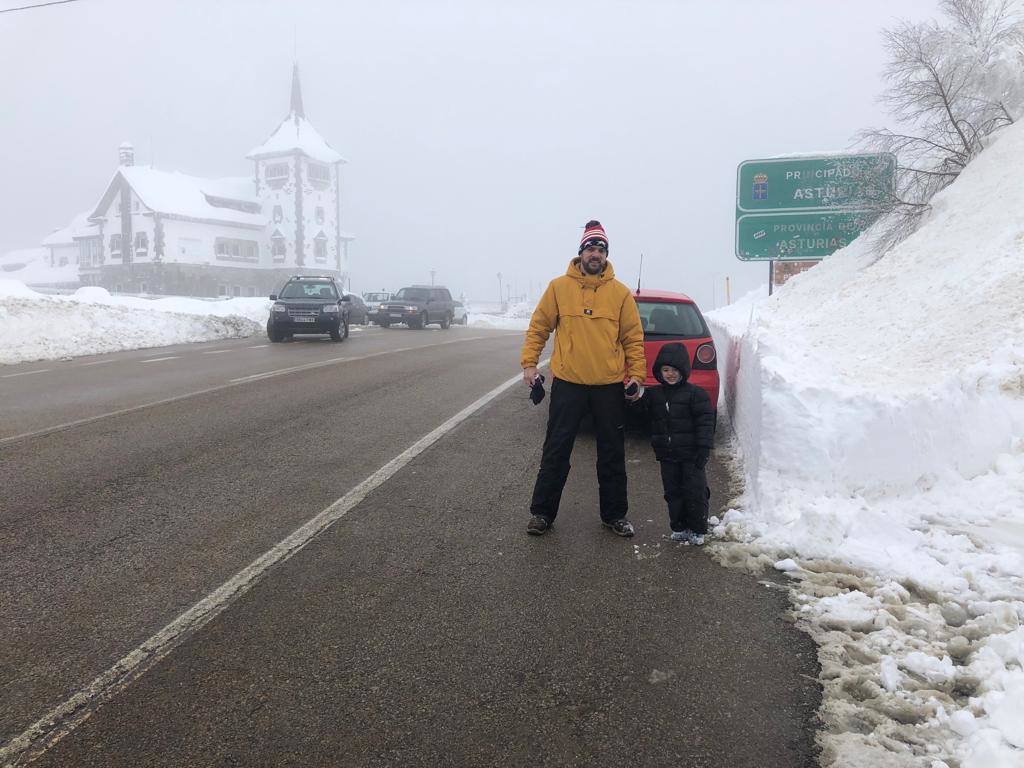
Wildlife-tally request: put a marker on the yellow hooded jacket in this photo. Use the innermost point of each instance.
(598, 336)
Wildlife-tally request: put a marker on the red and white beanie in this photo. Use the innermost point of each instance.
(593, 234)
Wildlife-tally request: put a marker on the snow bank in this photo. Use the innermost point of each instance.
(515, 317)
(878, 409)
(37, 327)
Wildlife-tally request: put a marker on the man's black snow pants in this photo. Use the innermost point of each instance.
(569, 404)
(686, 491)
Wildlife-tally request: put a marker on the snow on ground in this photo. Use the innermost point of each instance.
(514, 316)
(38, 327)
(877, 408)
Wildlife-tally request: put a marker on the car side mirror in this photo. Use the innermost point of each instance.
(347, 299)
(273, 297)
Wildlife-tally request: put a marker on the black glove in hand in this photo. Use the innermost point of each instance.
(537, 389)
(702, 459)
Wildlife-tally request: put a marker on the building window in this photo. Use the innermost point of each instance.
(277, 171)
(277, 247)
(222, 290)
(142, 288)
(141, 243)
(89, 252)
(278, 214)
(231, 249)
(135, 206)
(250, 291)
(319, 174)
(115, 246)
(320, 247)
(319, 214)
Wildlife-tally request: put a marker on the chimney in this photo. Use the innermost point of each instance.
(126, 154)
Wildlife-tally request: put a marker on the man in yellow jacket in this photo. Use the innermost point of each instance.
(598, 351)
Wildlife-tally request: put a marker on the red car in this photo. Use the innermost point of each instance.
(669, 317)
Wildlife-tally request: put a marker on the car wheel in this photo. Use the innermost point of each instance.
(345, 336)
(383, 323)
(273, 334)
(336, 334)
(418, 323)
(446, 322)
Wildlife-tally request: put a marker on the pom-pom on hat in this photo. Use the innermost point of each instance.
(593, 234)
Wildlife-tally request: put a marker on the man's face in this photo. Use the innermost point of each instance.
(593, 259)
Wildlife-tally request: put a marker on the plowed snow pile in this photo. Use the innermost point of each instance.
(878, 409)
(38, 327)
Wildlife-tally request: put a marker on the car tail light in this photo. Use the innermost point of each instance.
(704, 359)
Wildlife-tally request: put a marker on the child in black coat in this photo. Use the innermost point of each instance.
(682, 435)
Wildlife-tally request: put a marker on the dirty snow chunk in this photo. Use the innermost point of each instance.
(930, 668)
(786, 565)
(889, 674)
(852, 610)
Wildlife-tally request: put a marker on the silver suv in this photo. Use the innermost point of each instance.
(418, 306)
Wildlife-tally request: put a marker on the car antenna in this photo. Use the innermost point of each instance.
(640, 273)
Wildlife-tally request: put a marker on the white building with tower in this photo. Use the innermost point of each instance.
(167, 232)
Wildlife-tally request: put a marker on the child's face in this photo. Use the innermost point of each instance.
(670, 375)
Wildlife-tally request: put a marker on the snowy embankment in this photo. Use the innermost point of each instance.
(878, 412)
(38, 327)
(514, 317)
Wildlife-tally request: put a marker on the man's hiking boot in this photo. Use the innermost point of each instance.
(538, 525)
(621, 527)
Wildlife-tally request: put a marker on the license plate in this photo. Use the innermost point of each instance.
(304, 319)
(396, 314)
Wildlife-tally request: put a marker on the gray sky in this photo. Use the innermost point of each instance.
(481, 135)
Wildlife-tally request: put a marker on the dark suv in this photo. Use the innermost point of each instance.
(418, 305)
(309, 304)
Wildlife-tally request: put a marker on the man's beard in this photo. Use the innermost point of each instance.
(593, 267)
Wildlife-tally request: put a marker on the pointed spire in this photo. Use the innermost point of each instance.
(296, 92)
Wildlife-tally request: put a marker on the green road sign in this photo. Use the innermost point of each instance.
(808, 207)
(798, 235)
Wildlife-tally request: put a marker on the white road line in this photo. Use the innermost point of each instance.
(97, 362)
(159, 359)
(63, 719)
(24, 373)
(258, 346)
(217, 351)
(208, 390)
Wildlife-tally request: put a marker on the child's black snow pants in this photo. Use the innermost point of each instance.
(687, 494)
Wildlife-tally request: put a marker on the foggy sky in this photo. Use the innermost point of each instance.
(481, 135)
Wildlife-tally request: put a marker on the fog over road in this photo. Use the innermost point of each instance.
(424, 627)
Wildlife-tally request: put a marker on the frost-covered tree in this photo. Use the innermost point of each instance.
(950, 84)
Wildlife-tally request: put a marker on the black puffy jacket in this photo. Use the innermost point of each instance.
(681, 417)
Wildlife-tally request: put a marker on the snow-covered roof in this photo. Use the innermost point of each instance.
(179, 194)
(296, 133)
(80, 226)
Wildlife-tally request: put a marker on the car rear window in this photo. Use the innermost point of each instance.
(671, 319)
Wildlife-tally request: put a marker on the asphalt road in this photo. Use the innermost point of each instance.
(422, 628)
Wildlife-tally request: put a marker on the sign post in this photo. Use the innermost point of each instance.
(803, 208)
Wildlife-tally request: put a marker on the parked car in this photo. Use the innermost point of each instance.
(418, 306)
(309, 304)
(358, 312)
(374, 300)
(668, 317)
(459, 314)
